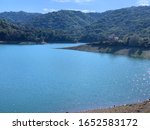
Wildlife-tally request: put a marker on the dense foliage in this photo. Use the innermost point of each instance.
(123, 27)
(12, 32)
(128, 26)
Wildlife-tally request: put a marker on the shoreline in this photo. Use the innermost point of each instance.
(143, 107)
(32, 42)
(21, 43)
(135, 52)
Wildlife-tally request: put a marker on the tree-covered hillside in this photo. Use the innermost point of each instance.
(64, 24)
(125, 27)
(128, 25)
(13, 32)
(19, 17)
(66, 20)
(63, 19)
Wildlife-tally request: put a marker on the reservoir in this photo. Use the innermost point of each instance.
(42, 78)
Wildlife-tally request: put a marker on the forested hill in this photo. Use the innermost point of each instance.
(63, 19)
(130, 25)
(127, 26)
(19, 17)
(20, 33)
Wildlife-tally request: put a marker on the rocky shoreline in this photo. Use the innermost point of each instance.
(143, 107)
(136, 52)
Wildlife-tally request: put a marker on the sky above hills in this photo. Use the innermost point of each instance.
(44, 6)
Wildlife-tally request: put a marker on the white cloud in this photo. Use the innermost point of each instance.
(143, 2)
(83, 10)
(46, 10)
(75, 1)
(49, 10)
(87, 11)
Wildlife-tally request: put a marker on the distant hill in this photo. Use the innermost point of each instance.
(127, 21)
(67, 20)
(127, 26)
(64, 19)
(19, 17)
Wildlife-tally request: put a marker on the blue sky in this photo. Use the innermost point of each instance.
(44, 6)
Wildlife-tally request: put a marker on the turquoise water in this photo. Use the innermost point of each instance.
(40, 78)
